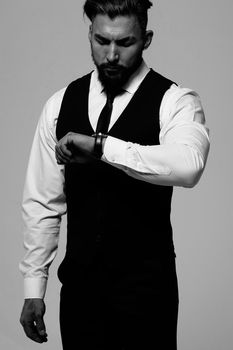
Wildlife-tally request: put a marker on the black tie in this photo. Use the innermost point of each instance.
(105, 115)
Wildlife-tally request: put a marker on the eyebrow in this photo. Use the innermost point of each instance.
(118, 41)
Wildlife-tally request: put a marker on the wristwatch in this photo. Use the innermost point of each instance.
(98, 146)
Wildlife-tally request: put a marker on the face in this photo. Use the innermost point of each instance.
(117, 46)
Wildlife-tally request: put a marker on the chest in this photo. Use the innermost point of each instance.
(134, 119)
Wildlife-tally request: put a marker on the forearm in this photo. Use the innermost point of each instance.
(40, 250)
(180, 157)
(42, 207)
(168, 164)
(42, 219)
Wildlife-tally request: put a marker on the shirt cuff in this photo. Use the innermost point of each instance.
(115, 150)
(35, 287)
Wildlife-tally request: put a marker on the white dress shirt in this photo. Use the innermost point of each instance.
(178, 160)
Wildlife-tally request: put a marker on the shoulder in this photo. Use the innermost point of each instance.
(174, 91)
(181, 104)
(178, 95)
(54, 102)
(80, 83)
(50, 112)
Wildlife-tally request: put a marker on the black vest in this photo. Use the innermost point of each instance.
(109, 212)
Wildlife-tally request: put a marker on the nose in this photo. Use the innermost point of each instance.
(112, 54)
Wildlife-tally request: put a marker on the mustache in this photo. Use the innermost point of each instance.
(111, 66)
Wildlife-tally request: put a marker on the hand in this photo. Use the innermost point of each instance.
(32, 320)
(75, 148)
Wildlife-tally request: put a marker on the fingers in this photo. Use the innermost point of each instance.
(63, 149)
(40, 326)
(35, 330)
(32, 320)
(32, 332)
(60, 156)
(74, 148)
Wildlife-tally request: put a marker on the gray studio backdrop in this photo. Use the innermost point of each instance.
(43, 46)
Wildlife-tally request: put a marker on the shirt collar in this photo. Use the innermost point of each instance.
(132, 84)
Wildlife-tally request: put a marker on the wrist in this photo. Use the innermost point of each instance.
(99, 144)
(103, 143)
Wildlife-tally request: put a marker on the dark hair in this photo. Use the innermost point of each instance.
(114, 8)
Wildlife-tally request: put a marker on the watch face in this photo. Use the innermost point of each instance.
(98, 147)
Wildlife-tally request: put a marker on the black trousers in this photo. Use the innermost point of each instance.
(121, 309)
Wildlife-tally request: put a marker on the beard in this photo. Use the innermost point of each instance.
(114, 76)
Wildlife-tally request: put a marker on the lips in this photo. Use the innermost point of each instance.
(112, 70)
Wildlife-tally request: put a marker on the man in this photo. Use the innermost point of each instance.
(108, 150)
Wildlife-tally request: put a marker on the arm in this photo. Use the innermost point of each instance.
(43, 205)
(180, 158)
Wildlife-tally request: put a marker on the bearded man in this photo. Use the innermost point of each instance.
(107, 151)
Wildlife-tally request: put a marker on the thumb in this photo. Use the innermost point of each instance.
(40, 326)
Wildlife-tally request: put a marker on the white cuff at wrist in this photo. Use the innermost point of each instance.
(115, 150)
(34, 287)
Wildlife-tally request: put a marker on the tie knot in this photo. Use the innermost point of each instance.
(111, 94)
(105, 115)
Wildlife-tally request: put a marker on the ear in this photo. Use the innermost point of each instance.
(148, 38)
(90, 32)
